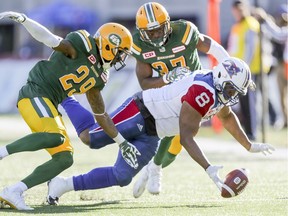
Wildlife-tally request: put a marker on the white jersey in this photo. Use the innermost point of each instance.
(165, 103)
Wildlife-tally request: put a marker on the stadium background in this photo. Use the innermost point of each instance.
(19, 51)
(196, 195)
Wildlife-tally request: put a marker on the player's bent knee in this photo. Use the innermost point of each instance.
(124, 178)
(64, 159)
(85, 137)
(55, 139)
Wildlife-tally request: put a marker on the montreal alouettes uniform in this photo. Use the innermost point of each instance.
(165, 103)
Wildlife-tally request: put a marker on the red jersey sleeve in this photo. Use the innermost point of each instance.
(200, 98)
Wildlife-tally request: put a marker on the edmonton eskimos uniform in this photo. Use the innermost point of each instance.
(51, 81)
(179, 50)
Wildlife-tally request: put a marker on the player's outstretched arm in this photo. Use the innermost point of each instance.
(38, 31)
(41, 33)
(232, 125)
(189, 125)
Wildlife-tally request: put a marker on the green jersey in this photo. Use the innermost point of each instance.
(179, 50)
(60, 76)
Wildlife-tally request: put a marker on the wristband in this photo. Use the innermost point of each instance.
(119, 138)
(164, 77)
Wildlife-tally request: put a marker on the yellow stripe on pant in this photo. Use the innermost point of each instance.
(175, 147)
(42, 116)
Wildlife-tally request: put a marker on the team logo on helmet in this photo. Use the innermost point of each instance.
(231, 68)
(114, 39)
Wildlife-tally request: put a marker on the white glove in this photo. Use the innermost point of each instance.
(17, 17)
(212, 171)
(261, 147)
(176, 74)
(129, 153)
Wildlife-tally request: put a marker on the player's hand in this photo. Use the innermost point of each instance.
(176, 74)
(265, 148)
(17, 17)
(213, 172)
(129, 153)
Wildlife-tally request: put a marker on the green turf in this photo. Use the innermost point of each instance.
(187, 190)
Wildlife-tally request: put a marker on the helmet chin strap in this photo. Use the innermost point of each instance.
(106, 66)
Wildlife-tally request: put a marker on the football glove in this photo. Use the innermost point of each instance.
(17, 17)
(261, 147)
(212, 171)
(129, 153)
(176, 74)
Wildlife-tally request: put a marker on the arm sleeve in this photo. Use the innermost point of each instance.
(217, 51)
(41, 33)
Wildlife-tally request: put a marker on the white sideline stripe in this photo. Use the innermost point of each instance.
(41, 107)
(229, 190)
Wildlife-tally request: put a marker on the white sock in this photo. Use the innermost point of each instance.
(19, 186)
(154, 166)
(70, 184)
(3, 152)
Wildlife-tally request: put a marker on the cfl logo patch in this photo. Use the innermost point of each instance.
(148, 55)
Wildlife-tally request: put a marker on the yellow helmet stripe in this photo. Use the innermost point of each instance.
(84, 36)
(187, 34)
(149, 12)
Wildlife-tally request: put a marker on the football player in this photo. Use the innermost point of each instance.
(79, 65)
(179, 108)
(160, 45)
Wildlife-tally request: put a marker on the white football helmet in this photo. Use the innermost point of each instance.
(232, 77)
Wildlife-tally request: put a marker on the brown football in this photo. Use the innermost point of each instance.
(235, 182)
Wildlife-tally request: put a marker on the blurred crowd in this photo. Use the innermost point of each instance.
(261, 41)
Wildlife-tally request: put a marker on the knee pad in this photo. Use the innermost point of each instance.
(123, 177)
(64, 159)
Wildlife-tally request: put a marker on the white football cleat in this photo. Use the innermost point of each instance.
(14, 199)
(56, 188)
(140, 184)
(154, 179)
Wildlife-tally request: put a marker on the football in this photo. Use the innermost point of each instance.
(235, 182)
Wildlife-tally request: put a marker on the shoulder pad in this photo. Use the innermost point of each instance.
(84, 35)
(190, 28)
(135, 49)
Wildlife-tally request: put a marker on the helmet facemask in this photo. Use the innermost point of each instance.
(227, 94)
(148, 34)
(120, 57)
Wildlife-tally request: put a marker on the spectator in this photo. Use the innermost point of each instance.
(278, 30)
(244, 43)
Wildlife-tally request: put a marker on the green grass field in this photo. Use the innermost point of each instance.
(186, 188)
